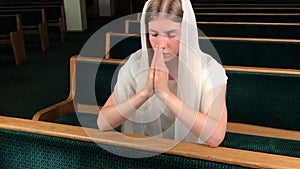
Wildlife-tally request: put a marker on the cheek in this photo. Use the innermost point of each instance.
(175, 46)
(152, 41)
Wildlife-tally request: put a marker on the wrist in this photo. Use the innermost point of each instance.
(163, 95)
(144, 94)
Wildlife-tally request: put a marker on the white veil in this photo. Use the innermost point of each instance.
(192, 71)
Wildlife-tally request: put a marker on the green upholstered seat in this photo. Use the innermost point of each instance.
(232, 140)
(27, 150)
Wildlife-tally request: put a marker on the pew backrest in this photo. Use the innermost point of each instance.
(30, 2)
(236, 29)
(29, 17)
(93, 80)
(263, 96)
(249, 17)
(265, 52)
(260, 96)
(52, 12)
(11, 32)
(10, 23)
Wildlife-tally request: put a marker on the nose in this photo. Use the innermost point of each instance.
(162, 41)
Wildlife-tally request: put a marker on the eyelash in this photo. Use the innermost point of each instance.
(169, 36)
(154, 34)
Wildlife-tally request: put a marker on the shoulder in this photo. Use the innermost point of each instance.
(216, 72)
(133, 62)
(135, 57)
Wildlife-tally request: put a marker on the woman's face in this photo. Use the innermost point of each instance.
(165, 34)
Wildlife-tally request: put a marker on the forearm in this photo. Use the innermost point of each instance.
(210, 129)
(191, 118)
(112, 115)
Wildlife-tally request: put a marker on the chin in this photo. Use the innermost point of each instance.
(170, 58)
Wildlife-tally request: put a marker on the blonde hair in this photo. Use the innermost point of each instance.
(169, 8)
(172, 8)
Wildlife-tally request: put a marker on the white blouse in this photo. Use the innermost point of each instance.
(162, 121)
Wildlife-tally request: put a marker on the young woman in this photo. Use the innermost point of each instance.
(169, 88)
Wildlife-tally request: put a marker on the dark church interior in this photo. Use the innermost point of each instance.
(58, 59)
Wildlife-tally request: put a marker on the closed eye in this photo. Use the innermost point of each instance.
(172, 35)
(154, 34)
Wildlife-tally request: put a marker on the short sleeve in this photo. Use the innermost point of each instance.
(215, 78)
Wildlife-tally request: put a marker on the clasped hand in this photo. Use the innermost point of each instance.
(158, 76)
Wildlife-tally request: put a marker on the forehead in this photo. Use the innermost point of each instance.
(163, 23)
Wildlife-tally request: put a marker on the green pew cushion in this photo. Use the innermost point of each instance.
(232, 140)
(27, 150)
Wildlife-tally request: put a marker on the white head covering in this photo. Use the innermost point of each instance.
(192, 70)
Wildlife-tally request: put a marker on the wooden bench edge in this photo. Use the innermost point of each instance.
(262, 70)
(185, 149)
(263, 131)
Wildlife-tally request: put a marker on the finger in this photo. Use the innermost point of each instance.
(154, 62)
(161, 64)
(154, 59)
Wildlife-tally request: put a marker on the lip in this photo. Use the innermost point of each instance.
(166, 55)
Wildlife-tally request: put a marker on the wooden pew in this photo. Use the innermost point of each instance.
(117, 41)
(30, 2)
(245, 9)
(11, 33)
(236, 29)
(250, 29)
(67, 142)
(81, 97)
(54, 15)
(240, 126)
(241, 3)
(248, 17)
(132, 26)
(251, 5)
(33, 22)
(102, 72)
(269, 52)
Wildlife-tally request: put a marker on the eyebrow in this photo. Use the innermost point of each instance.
(170, 31)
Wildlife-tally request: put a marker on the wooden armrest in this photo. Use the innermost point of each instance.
(185, 149)
(55, 111)
(263, 131)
